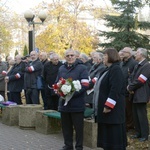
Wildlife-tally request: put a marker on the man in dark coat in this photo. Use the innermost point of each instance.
(32, 71)
(50, 72)
(3, 69)
(15, 81)
(44, 60)
(127, 66)
(97, 68)
(139, 87)
(84, 58)
(72, 114)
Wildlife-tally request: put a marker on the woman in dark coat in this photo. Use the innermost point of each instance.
(109, 104)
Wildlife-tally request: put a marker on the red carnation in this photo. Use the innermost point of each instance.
(62, 80)
(55, 86)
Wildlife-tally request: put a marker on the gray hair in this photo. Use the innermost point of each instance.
(77, 53)
(68, 50)
(54, 55)
(84, 56)
(100, 55)
(143, 52)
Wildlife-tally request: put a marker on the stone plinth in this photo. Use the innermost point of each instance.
(45, 124)
(27, 115)
(10, 115)
(90, 133)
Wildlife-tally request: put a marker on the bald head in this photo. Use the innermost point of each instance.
(17, 59)
(43, 56)
(33, 55)
(127, 50)
(126, 53)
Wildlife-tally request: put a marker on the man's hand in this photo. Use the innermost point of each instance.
(131, 92)
(106, 110)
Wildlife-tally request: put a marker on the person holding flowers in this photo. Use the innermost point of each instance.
(72, 83)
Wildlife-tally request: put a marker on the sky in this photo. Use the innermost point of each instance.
(20, 6)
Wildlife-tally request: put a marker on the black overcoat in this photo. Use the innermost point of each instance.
(113, 87)
(15, 84)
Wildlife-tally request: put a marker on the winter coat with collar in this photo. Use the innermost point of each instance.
(139, 82)
(112, 95)
(127, 68)
(50, 72)
(16, 78)
(31, 72)
(96, 69)
(77, 71)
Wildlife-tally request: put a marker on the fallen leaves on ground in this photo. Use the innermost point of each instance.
(135, 144)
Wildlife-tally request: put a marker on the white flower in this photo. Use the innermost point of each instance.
(77, 85)
(66, 89)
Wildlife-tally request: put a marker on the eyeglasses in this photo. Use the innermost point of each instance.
(69, 55)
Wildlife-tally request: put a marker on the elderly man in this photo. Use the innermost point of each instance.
(127, 66)
(85, 59)
(139, 87)
(15, 81)
(32, 71)
(50, 72)
(72, 113)
(3, 69)
(94, 73)
(44, 60)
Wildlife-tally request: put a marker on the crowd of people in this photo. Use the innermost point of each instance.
(116, 84)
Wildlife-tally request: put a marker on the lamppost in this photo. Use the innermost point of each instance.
(29, 16)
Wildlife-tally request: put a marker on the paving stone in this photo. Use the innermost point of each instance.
(14, 138)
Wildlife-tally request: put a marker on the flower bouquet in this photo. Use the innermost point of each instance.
(66, 88)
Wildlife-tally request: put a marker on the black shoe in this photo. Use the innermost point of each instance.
(143, 139)
(135, 136)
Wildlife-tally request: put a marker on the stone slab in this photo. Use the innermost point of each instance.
(45, 124)
(10, 115)
(90, 133)
(27, 115)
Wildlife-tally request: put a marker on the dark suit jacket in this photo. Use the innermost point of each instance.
(139, 82)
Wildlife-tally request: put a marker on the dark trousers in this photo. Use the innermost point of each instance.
(72, 121)
(129, 114)
(44, 98)
(32, 96)
(140, 119)
(51, 99)
(15, 97)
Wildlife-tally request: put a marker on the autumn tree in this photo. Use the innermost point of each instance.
(123, 27)
(5, 34)
(16, 53)
(25, 51)
(66, 29)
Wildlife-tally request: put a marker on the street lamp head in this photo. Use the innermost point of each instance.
(29, 16)
(42, 15)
